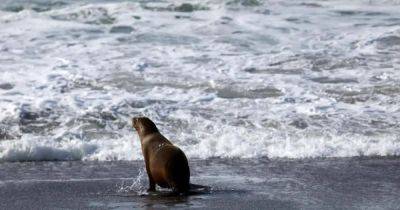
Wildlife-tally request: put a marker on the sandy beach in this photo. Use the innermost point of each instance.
(347, 183)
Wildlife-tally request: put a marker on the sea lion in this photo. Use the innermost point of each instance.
(166, 164)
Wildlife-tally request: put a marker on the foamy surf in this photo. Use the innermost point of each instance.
(224, 144)
(232, 79)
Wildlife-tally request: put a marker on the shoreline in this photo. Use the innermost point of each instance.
(339, 183)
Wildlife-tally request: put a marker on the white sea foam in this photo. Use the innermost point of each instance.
(234, 79)
(38, 149)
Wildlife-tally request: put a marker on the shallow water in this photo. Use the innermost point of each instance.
(344, 183)
(232, 79)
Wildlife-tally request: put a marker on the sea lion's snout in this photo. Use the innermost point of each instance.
(135, 123)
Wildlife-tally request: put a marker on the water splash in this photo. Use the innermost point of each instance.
(136, 186)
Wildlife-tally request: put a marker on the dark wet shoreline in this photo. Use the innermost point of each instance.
(331, 183)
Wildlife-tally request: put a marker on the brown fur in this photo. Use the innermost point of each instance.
(166, 164)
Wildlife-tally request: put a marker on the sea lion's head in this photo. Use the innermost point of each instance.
(144, 125)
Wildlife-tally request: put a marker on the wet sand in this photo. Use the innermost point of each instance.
(346, 183)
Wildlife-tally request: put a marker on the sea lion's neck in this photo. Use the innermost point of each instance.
(147, 129)
(144, 136)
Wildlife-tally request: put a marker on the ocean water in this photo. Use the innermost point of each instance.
(221, 79)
